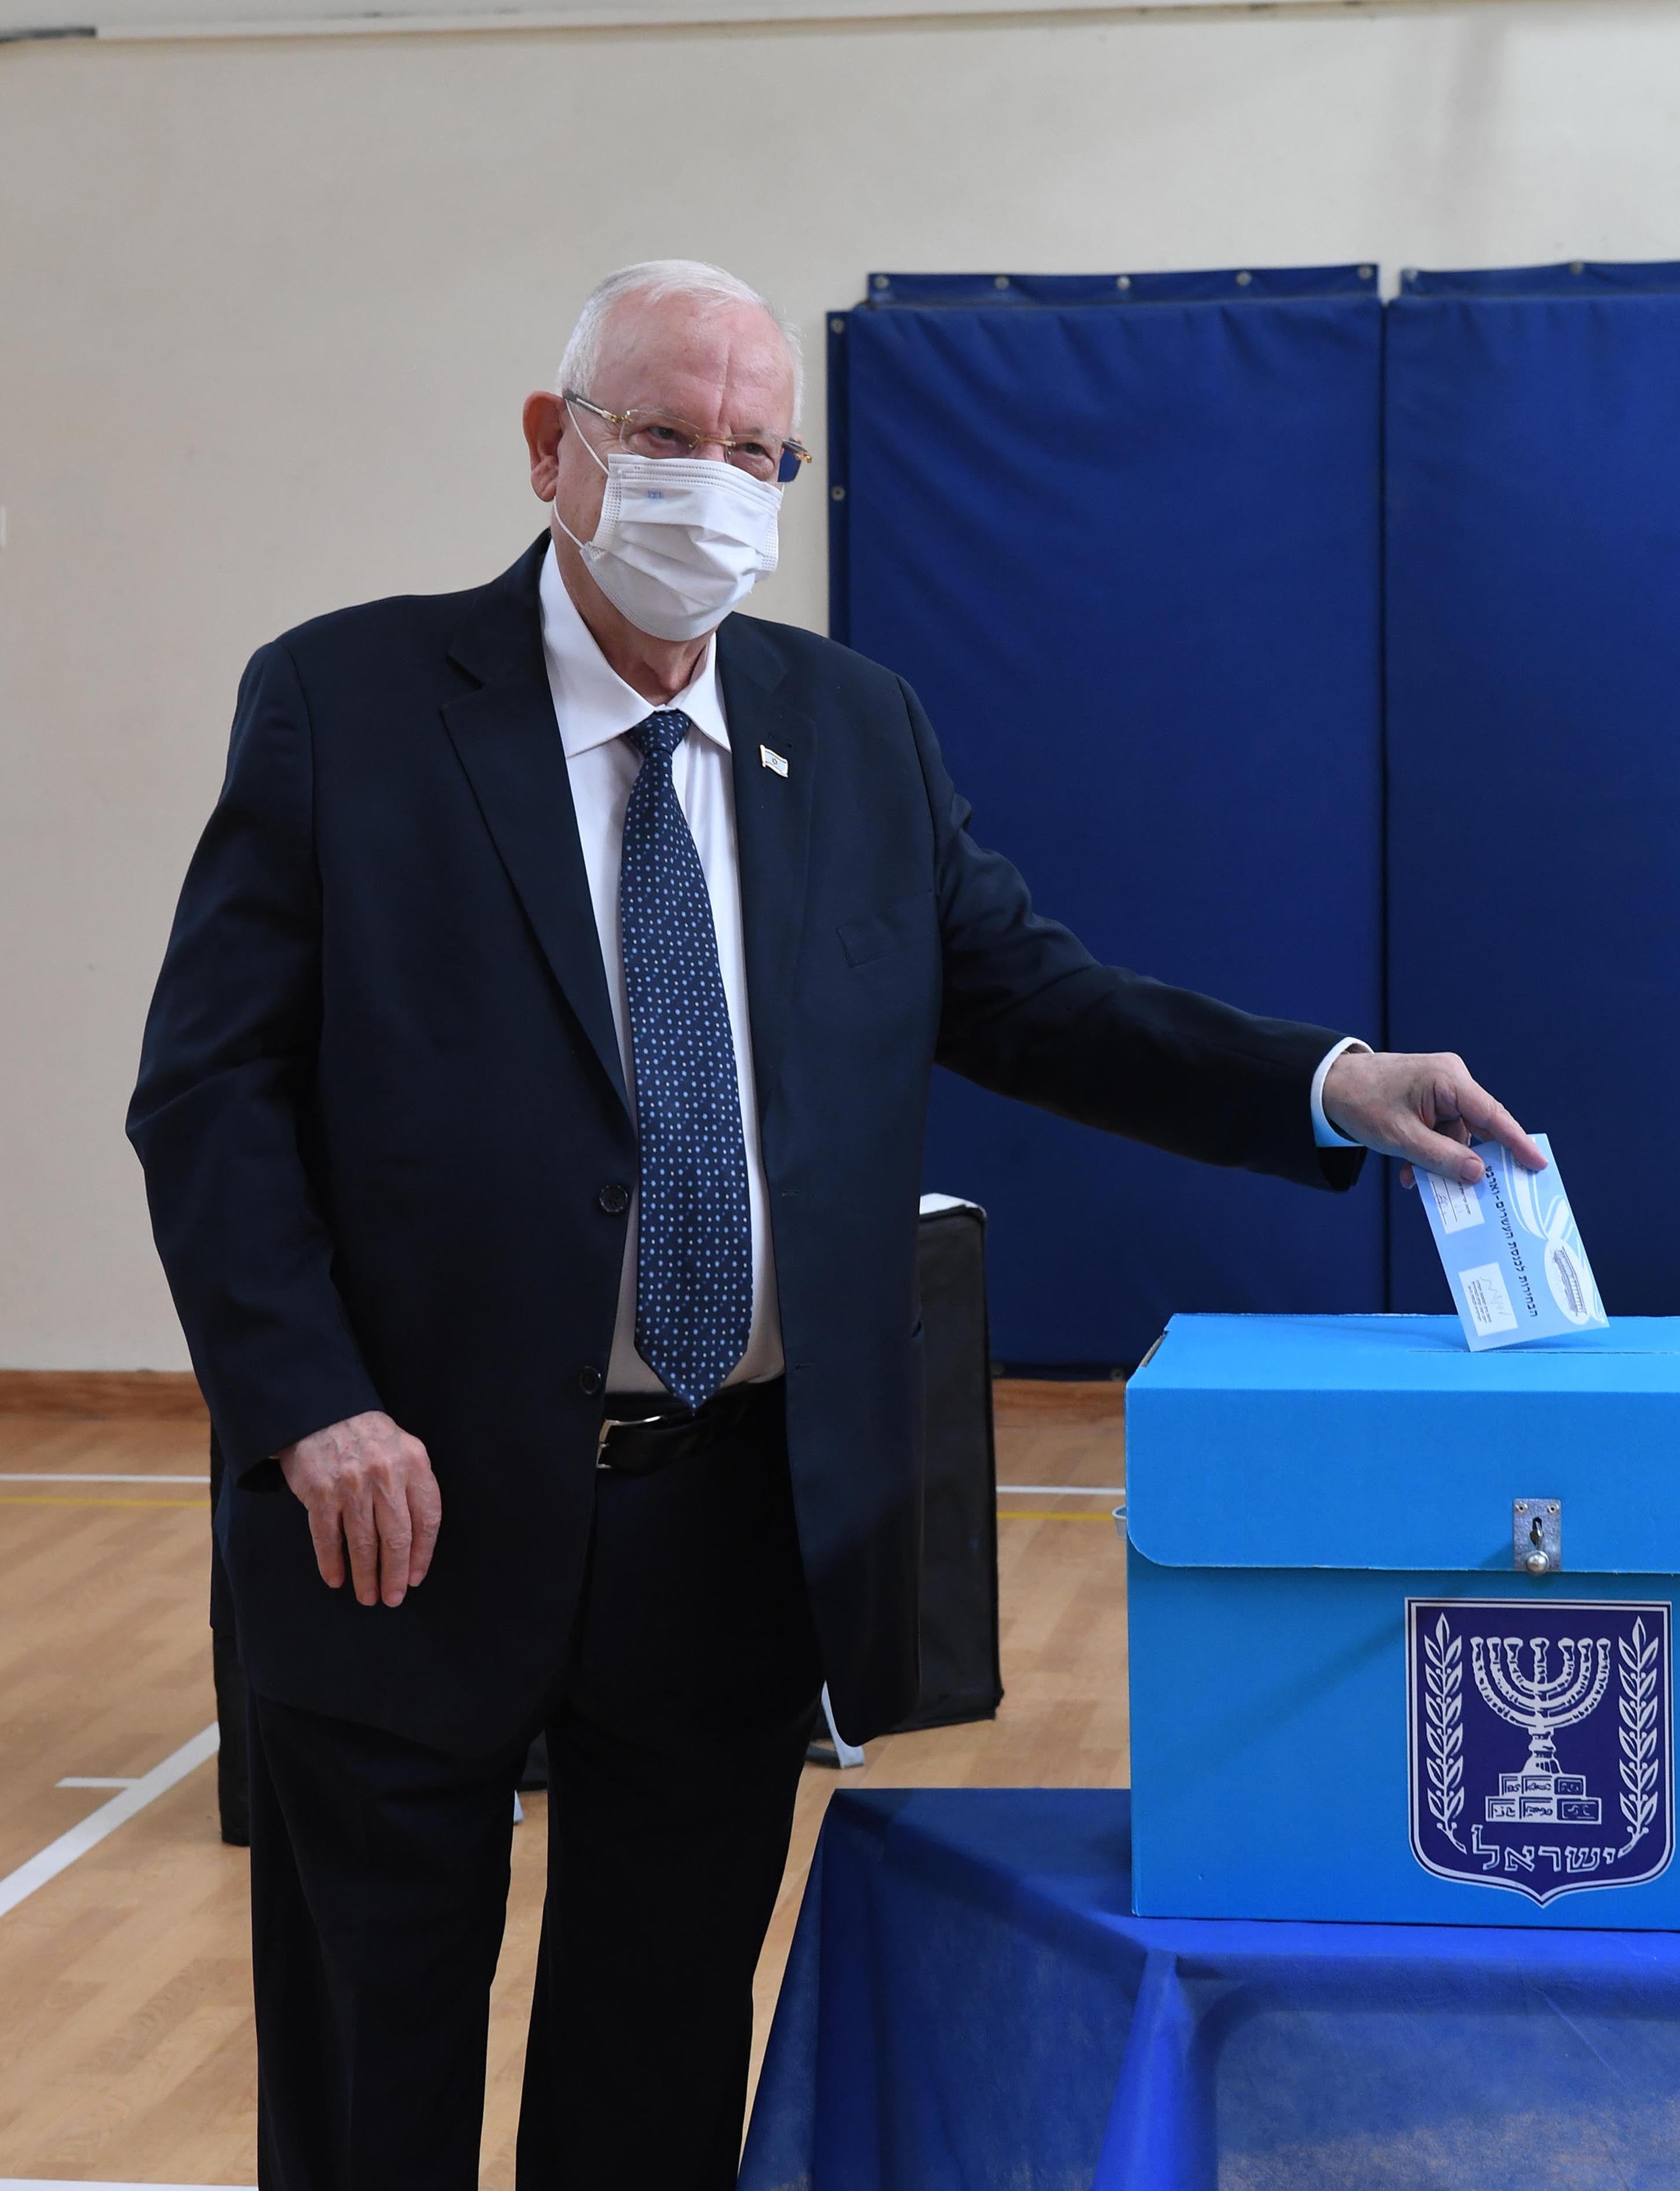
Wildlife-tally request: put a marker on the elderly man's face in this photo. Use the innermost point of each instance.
(720, 369)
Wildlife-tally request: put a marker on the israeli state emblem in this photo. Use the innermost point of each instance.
(1542, 1742)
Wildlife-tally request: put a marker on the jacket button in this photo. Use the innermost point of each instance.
(590, 1380)
(614, 1199)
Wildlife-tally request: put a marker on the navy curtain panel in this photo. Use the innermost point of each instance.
(1123, 536)
(1533, 591)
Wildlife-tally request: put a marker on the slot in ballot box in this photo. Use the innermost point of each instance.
(1401, 1623)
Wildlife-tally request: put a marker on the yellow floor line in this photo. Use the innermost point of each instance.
(1047, 1514)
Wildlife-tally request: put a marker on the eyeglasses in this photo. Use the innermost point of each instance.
(651, 433)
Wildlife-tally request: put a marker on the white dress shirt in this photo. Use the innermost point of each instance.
(1324, 1134)
(594, 707)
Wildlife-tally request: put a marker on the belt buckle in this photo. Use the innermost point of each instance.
(611, 1423)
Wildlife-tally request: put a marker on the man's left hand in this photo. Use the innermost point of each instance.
(1422, 1109)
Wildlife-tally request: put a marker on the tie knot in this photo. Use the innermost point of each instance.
(661, 734)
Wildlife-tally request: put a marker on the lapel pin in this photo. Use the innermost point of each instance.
(769, 758)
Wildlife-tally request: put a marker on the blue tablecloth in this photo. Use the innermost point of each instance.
(969, 2006)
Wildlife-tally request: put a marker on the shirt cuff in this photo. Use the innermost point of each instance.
(1325, 1135)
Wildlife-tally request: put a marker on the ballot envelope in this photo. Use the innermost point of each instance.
(1401, 1622)
(1512, 1251)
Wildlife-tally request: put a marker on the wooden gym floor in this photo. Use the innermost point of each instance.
(126, 2050)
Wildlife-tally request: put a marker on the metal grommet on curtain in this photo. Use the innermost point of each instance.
(837, 494)
(1577, 266)
(1243, 281)
(1000, 280)
(1367, 273)
(1123, 280)
(881, 282)
(836, 327)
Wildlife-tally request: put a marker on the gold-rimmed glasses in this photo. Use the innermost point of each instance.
(647, 431)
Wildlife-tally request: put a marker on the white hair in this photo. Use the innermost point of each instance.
(655, 279)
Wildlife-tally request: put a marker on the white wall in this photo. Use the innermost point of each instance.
(268, 310)
(154, 18)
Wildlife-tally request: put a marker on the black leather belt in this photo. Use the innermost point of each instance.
(638, 1434)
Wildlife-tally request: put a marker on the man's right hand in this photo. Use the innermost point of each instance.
(369, 1487)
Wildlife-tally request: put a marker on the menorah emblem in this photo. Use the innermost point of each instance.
(1540, 1703)
(1602, 1667)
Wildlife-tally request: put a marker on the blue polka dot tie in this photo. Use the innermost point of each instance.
(693, 1276)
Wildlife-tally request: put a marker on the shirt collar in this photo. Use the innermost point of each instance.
(593, 704)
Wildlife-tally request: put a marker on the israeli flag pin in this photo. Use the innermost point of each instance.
(772, 760)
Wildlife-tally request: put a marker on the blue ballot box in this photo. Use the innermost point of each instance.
(1401, 1622)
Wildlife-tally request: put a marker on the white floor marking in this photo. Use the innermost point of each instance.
(58, 1476)
(58, 2183)
(1050, 1491)
(57, 1856)
(97, 1780)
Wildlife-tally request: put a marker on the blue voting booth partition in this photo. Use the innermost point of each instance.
(1122, 535)
(1126, 534)
(1533, 607)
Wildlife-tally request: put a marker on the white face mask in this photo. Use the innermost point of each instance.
(681, 541)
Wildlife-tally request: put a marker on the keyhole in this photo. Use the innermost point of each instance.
(1535, 1534)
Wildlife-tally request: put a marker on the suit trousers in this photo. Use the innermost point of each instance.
(380, 1872)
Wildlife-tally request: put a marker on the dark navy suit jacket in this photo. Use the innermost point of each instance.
(380, 1103)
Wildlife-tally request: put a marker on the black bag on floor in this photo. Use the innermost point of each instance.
(961, 1678)
(233, 1785)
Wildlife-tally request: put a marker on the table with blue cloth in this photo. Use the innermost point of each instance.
(969, 2006)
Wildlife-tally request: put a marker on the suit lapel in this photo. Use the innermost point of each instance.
(773, 824)
(509, 745)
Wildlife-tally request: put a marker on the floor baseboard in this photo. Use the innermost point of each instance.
(103, 1395)
(172, 1395)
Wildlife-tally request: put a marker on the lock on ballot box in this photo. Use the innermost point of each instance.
(1401, 1623)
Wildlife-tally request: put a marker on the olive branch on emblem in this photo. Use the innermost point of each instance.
(1636, 1707)
(1442, 1727)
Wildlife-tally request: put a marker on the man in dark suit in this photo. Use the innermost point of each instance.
(531, 1108)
